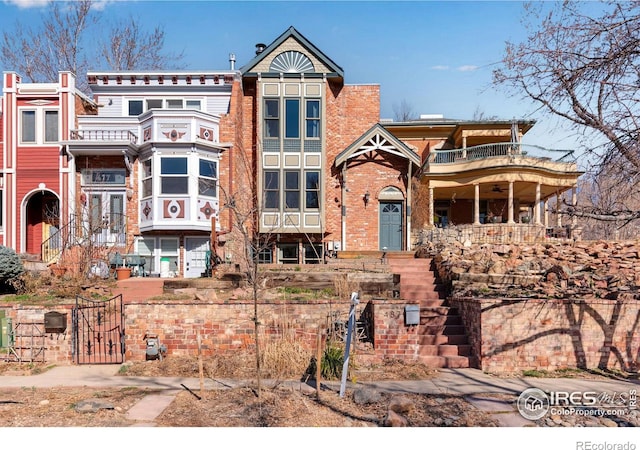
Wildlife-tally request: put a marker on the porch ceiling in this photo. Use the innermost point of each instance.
(525, 192)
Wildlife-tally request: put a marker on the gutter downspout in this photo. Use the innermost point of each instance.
(343, 212)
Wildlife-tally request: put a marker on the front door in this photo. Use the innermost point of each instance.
(106, 217)
(391, 225)
(195, 261)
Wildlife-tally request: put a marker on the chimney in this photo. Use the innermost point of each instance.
(260, 48)
(232, 61)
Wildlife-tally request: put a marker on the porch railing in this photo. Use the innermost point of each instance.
(497, 150)
(110, 230)
(494, 234)
(103, 135)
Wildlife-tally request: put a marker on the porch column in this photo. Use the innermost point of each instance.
(574, 200)
(536, 211)
(464, 146)
(558, 216)
(476, 204)
(510, 220)
(431, 208)
(545, 205)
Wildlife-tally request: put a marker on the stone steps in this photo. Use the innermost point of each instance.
(442, 338)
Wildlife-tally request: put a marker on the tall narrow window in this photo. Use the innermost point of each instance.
(313, 119)
(207, 178)
(292, 190)
(51, 126)
(312, 188)
(147, 180)
(174, 179)
(28, 126)
(292, 118)
(271, 118)
(271, 190)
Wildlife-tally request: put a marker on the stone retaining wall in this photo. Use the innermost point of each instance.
(510, 335)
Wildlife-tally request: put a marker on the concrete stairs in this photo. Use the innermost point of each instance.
(442, 337)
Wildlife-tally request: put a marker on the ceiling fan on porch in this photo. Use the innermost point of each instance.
(496, 188)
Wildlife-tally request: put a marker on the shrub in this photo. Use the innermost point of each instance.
(11, 267)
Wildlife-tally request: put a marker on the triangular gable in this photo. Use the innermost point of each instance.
(380, 140)
(292, 40)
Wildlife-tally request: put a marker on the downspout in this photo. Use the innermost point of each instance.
(343, 208)
(409, 202)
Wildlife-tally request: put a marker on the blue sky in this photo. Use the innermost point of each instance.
(435, 55)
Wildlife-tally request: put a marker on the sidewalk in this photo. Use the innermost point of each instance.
(471, 383)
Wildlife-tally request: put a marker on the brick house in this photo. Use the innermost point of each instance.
(154, 164)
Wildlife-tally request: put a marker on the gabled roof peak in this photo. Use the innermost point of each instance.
(262, 51)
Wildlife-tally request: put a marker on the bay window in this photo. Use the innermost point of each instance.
(207, 178)
(174, 177)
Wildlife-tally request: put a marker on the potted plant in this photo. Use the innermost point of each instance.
(123, 272)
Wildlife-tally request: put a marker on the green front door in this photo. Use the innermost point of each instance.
(391, 225)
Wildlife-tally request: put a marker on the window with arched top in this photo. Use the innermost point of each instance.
(391, 193)
(291, 62)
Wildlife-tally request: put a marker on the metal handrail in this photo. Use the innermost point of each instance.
(499, 150)
(103, 135)
(77, 232)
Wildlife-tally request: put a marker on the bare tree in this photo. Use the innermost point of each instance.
(403, 111)
(128, 47)
(581, 63)
(39, 53)
(58, 43)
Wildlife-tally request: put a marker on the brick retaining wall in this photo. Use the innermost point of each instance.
(509, 335)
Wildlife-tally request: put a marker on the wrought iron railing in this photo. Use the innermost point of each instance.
(110, 230)
(104, 135)
(499, 150)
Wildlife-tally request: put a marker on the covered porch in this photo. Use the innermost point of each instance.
(499, 193)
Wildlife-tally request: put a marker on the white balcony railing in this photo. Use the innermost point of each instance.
(498, 150)
(104, 135)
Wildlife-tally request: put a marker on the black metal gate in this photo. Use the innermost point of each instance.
(98, 331)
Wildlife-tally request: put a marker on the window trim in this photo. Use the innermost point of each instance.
(268, 119)
(287, 190)
(317, 190)
(45, 113)
(35, 125)
(184, 175)
(308, 119)
(271, 189)
(206, 177)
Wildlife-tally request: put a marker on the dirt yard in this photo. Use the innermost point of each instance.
(277, 407)
(286, 405)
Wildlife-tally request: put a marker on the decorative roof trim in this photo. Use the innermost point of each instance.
(377, 138)
(292, 32)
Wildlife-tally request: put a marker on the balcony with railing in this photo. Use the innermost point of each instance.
(499, 154)
(104, 136)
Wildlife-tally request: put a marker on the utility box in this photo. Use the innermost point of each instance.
(6, 332)
(55, 322)
(412, 315)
